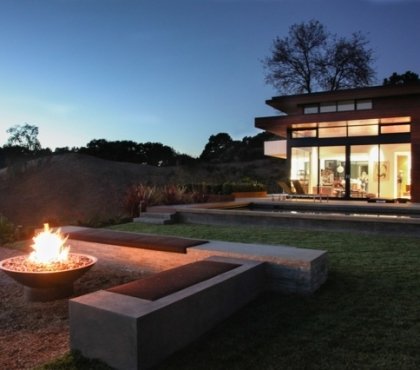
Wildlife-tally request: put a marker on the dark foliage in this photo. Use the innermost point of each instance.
(402, 79)
(221, 148)
(25, 136)
(23, 145)
(155, 154)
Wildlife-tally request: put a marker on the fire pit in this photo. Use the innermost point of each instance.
(48, 272)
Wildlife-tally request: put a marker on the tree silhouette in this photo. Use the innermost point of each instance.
(402, 79)
(218, 149)
(155, 154)
(25, 136)
(311, 59)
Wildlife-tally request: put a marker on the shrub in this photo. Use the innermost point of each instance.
(173, 194)
(205, 188)
(137, 198)
(7, 230)
(140, 194)
(245, 185)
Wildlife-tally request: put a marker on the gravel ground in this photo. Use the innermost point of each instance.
(33, 333)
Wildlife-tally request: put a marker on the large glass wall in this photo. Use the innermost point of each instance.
(356, 171)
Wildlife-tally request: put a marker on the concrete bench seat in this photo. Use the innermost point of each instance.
(137, 325)
(135, 240)
(170, 281)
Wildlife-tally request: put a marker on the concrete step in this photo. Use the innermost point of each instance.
(157, 218)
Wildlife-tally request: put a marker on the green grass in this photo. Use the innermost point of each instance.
(365, 317)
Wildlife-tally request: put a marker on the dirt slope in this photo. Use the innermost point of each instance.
(69, 188)
(73, 188)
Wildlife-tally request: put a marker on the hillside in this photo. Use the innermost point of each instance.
(73, 188)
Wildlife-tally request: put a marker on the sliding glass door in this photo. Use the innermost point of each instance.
(362, 172)
(381, 171)
(304, 167)
(332, 169)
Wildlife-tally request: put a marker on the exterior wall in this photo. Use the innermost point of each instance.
(415, 156)
(388, 101)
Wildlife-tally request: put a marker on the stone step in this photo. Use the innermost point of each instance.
(154, 221)
(155, 218)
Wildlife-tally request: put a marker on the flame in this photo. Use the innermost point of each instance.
(49, 247)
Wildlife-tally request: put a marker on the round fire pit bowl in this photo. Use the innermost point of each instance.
(48, 285)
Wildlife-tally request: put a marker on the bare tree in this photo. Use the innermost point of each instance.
(311, 59)
(294, 64)
(347, 64)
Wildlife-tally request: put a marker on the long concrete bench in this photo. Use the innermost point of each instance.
(137, 325)
(289, 270)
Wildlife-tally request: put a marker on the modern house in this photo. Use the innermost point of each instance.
(353, 144)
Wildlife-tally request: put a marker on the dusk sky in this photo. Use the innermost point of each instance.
(168, 71)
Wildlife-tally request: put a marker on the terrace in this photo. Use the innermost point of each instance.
(349, 270)
(275, 210)
(378, 275)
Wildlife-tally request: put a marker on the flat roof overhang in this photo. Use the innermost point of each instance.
(290, 103)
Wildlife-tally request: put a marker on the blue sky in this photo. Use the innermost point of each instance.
(168, 71)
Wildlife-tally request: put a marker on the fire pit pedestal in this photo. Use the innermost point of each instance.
(42, 286)
(47, 294)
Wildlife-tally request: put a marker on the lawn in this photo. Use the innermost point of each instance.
(365, 317)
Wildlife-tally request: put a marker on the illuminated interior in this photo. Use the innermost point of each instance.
(352, 170)
(362, 127)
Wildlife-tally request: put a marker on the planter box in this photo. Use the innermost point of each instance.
(250, 194)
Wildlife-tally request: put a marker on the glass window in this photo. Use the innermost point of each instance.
(345, 105)
(328, 107)
(305, 125)
(392, 120)
(309, 109)
(332, 132)
(331, 171)
(367, 130)
(304, 164)
(393, 129)
(363, 104)
(333, 124)
(303, 133)
(361, 179)
(360, 122)
(402, 179)
(392, 170)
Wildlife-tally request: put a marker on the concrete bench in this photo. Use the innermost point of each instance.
(289, 270)
(137, 325)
